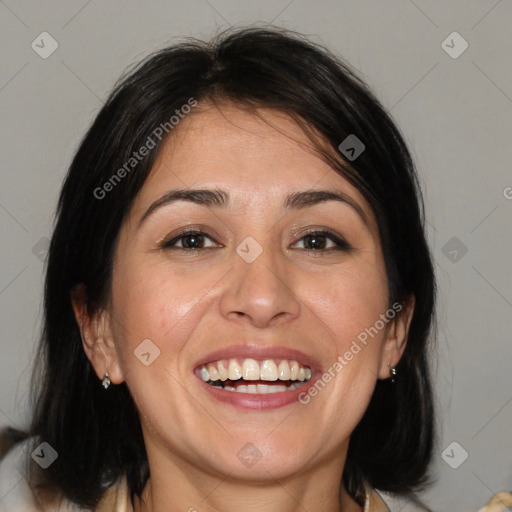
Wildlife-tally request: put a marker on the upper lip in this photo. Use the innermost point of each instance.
(259, 352)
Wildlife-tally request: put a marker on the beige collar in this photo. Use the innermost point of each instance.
(374, 502)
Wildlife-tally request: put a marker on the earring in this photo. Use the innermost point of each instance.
(393, 373)
(106, 381)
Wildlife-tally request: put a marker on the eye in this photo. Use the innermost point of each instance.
(189, 241)
(316, 241)
(323, 241)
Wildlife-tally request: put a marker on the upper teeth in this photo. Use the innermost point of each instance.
(250, 369)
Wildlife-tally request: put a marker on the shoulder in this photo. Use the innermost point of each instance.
(15, 492)
(375, 502)
(498, 503)
(381, 501)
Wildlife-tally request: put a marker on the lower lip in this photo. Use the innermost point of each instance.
(259, 401)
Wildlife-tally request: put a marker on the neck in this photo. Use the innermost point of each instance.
(184, 487)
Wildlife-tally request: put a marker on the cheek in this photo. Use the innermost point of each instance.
(348, 306)
(154, 302)
(348, 303)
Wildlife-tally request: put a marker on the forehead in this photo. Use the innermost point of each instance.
(230, 140)
(256, 155)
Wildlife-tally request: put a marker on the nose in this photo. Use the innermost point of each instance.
(260, 293)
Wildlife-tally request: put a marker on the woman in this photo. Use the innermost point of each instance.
(238, 296)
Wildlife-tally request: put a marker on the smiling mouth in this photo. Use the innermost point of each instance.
(255, 377)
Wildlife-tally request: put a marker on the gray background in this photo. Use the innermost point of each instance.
(454, 112)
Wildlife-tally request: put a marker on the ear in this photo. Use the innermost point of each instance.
(397, 332)
(97, 337)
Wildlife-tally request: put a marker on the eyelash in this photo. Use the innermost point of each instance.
(342, 245)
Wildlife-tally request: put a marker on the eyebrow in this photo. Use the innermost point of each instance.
(220, 198)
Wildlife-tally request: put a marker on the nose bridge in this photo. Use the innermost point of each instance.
(259, 289)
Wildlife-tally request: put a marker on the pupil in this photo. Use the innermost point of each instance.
(191, 241)
(315, 241)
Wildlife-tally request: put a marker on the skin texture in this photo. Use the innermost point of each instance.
(192, 303)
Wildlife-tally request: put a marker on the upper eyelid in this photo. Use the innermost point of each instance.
(191, 230)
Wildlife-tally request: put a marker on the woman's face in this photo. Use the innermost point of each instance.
(253, 290)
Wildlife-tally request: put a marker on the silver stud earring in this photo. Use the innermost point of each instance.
(393, 373)
(106, 381)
